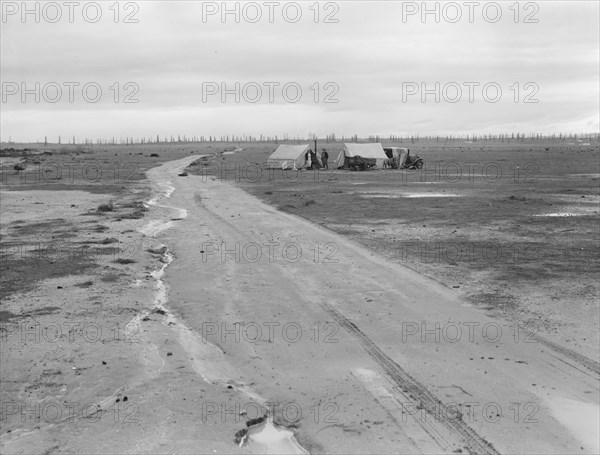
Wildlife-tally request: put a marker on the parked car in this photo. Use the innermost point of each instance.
(400, 158)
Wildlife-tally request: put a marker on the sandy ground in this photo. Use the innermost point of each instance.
(252, 309)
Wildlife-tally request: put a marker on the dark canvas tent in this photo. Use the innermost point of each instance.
(288, 156)
(370, 150)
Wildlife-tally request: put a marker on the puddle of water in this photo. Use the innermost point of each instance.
(269, 438)
(577, 207)
(580, 418)
(407, 195)
(154, 227)
(431, 195)
(381, 196)
(169, 188)
(564, 214)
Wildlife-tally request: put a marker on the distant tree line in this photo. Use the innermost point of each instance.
(510, 137)
(183, 139)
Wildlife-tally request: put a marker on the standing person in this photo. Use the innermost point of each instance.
(324, 158)
(307, 159)
(314, 161)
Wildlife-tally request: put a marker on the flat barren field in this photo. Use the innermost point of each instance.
(510, 228)
(184, 298)
(179, 273)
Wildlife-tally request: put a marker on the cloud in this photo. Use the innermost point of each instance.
(367, 57)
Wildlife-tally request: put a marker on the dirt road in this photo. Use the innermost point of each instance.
(375, 357)
(256, 310)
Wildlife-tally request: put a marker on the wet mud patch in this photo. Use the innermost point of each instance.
(21, 274)
(7, 316)
(112, 277)
(40, 312)
(57, 185)
(21, 228)
(493, 301)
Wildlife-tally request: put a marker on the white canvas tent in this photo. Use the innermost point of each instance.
(369, 150)
(288, 157)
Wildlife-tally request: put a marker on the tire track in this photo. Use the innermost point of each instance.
(586, 362)
(415, 390)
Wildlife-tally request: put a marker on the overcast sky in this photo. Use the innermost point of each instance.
(330, 67)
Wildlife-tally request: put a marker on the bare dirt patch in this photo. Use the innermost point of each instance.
(66, 305)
